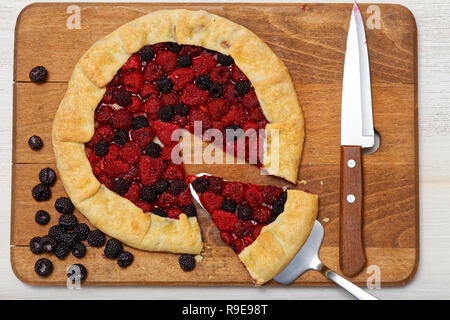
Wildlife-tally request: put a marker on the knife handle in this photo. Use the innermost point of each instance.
(352, 258)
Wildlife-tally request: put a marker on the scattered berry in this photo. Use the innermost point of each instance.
(41, 192)
(70, 239)
(35, 143)
(96, 238)
(56, 233)
(187, 262)
(113, 248)
(77, 271)
(43, 267)
(42, 217)
(47, 176)
(68, 221)
(82, 230)
(64, 205)
(79, 250)
(61, 250)
(38, 74)
(36, 245)
(48, 244)
(125, 259)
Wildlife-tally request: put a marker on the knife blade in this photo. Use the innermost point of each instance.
(356, 133)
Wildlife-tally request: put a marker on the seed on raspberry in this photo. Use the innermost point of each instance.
(122, 97)
(161, 186)
(177, 186)
(42, 217)
(160, 212)
(82, 230)
(36, 245)
(101, 148)
(146, 53)
(181, 109)
(200, 184)
(173, 46)
(244, 212)
(228, 205)
(166, 113)
(67, 221)
(187, 262)
(121, 186)
(153, 150)
(149, 194)
(47, 176)
(225, 60)
(203, 82)
(96, 238)
(79, 250)
(121, 137)
(190, 210)
(41, 192)
(35, 143)
(125, 259)
(164, 84)
(215, 91)
(184, 61)
(139, 122)
(38, 74)
(113, 248)
(242, 87)
(43, 267)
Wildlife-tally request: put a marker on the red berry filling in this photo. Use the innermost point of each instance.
(151, 99)
(239, 210)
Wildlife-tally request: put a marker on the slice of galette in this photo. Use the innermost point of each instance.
(265, 225)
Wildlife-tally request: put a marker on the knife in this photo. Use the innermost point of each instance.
(356, 133)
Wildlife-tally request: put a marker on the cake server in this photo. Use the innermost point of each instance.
(308, 259)
(356, 133)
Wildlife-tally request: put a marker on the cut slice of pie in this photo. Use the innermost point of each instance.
(265, 225)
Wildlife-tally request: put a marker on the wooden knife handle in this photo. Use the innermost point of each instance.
(352, 258)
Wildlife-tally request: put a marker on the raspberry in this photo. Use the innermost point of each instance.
(148, 194)
(253, 197)
(190, 210)
(177, 186)
(166, 200)
(130, 152)
(256, 115)
(151, 170)
(184, 61)
(237, 74)
(217, 108)
(135, 106)
(187, 262)
(120, 137)
(146, 53)
(226, 237)
(143, 136)
(238, 245)
(152, 72)
(203, 82)
(173, 172)
(79, 250)
(215, 184)
(270, 193)
(166, 153)
(220, 74)
(184, 198)
(262, 214)
(160, 212)
(122, 97)
(225, 60)
(106, 133)
(174, 213)
(47, 176)
(145, 206)
(256, 231)
(64, 205)
(199, 116)
(149, 91)
(215, 91)
(133, 81)
(211, 201)
(35, 143)
(132, 174)
(193, 95)
(180, 121)
(242, 87)
(181, 77)
(113, 248)
(170, 99)
(224, 220)
(133, 192)
(42, 217)
(243, 228)
(121, 186)
(82, 230)
(161, 186)
(96, 238)
(125, 259)
(43, 267)
(116, 168)
(250, 125)
(234, 191)
(229, 93)
(38, 74)
(108, 97)
(164, 131)
(41, 192)
(200, 185)
(101, 148)
(106, 180)
(133, 62)
(104, 114)
(122, 119)
(244, 212)
(152, 106)
(203, 64)
(166, 113)
(167, 60)
(250, 100)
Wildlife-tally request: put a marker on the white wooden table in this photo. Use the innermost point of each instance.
(432, 280)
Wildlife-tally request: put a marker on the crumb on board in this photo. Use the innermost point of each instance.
(198, 258)
(326, 220)
(302, 181)
(213, 251)
(321, 182)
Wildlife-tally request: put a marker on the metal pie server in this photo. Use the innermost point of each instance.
(308, 259)
(356, 133)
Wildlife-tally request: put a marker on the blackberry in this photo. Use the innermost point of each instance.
(122, 97)
(166, 113)
(187, 262)
(121, 186)
(225, 60)
(190, 210)
(125, 259)
(42, 217)
(120, 137)
(164, 84)
(184, 61)
(43, 267)
(67, 221)
(56, 233)
(96, 238)
(160, 212)
(228, 205)
(277, 207)
(48, 244)
(70, 239)
(215, 91)
(244, 212)
(64, 205)
(177, 186)
(38, 74)
(139, 122)
(146, 53)
(61, 250)
(35, 143)
(47, 176)
(82, 230)
(113, 248)
(181, 109)
(200, 184)
(36, 245)
(161, 186)
(41, 192)
(173, 46)
(101, 148)
(283, 197)
(233, 132)
(153, 150)
(203, 82)
(149, 194)
(79, 250)
(242, 87)
(77, 271)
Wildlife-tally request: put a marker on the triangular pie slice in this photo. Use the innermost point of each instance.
(265, 225)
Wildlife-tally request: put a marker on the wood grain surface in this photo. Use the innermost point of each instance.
(311, 41)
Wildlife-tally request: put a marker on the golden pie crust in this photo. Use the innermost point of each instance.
(120, 218)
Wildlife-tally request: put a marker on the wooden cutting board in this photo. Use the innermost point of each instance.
(310, 39)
